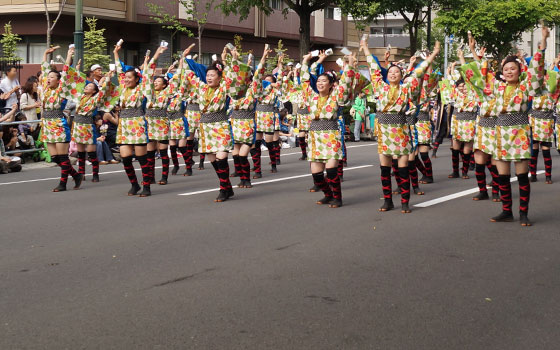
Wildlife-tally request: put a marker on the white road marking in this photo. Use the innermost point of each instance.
(456, 195)
(158, 167)
(270, 181)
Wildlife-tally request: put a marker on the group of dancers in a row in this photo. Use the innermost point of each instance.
(231, 108)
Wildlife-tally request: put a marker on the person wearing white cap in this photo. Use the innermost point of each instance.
(97, 73)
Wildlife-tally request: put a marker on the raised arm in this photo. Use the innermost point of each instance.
(534, 78)
(346, 82)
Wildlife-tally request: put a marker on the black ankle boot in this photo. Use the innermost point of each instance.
(134, 190)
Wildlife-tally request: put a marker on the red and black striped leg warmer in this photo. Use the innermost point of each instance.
(524, 192)
(184, 154)
(455, 160)
(505, 192)
(303, 146)
(427, 163)
(404, 185)
(480, 174)
(271, 152)
(436, 146)
(340, 169)
(533, 162)
(277, 150)
(386, 182)
(129, 169)
(189, 154)
(418, 164)
(256, 156)
(237, 165)
(165, 164)
(244, 168)
(82, 163)
(413, 173)
(495, 179)
(174, 159)
(64, 164)
(547, 162)
(151, 158)
(395, 165)
(466, 162)
(319, 181)
(146, 170)
(334, 182)
(222, 171)
(94, 163)
(202, 158)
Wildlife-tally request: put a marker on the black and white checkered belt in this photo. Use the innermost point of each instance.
(131, 113)
(213, 117)
(487, 122)
(193, 107)
(542, 114)
(265, 108)
(174, 115)
(391, 118)
(323, 124)
(511, 119)
(303, 111)
(83, 119)
(242, 114)
(53, 114)
(423, 117)
(466, 116)
(156, 113)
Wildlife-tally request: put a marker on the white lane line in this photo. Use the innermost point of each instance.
(270, 181)
(457, 195)
(158, 167)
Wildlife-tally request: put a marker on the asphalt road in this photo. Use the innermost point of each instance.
(269, 269)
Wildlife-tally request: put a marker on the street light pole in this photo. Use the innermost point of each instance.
(445, 49)
(79, 32)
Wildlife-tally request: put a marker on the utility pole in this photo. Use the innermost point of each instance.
(79, 33)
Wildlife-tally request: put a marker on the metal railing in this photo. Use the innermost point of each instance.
(30, 150)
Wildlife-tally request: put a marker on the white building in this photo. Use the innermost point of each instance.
(531, 39)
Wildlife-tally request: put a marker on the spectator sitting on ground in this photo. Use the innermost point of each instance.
(25, 139)
(8, 164)
(104, 153)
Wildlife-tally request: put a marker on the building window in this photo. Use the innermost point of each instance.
(276, 4)
(329, 13)
(390, 30)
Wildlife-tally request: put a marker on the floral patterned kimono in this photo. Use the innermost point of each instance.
(157, 103)
(54, 123)
(300, 98)
(178, 122)
(541, 116)
(132, 128)
(423, 126)
(266, 106)
(83, 127)
(214, 129)
(392, 102)
(243, 109)
(325, 138)
(485, 137)
(513, 132)
(463, 121)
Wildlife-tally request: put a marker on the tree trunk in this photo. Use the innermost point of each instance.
(200, 30)
(413, 38)
(304, 32)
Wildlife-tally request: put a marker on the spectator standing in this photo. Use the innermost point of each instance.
(359, 108)
(29, 102)
(10, 86)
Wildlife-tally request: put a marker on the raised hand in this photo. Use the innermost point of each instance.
(187, 50)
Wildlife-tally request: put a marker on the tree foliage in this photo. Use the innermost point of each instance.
(168, 22)
(95, 45)
(361, 9)
(496, 24)
(9, 42)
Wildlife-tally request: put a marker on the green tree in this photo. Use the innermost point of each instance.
(168, 22)
(272, 61)
(9, 42)
(198, 14)
(95, 45)
(496, 24)
(303, 8)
